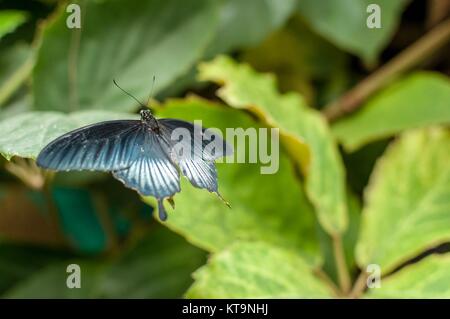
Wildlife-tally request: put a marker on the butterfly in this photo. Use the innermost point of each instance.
(142, 154)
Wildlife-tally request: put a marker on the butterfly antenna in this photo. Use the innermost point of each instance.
(151, 90)
(140, 103)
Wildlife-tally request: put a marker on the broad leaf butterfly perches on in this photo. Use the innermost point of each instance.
(141, 154)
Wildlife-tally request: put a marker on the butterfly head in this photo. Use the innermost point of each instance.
(146, 116)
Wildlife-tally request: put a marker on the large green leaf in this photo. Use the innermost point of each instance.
(245, 23)
(270, 207)
(313, 67)
(50, 282)
(298, 124)
(160, 266)
(17, 262)
(257, 270)
(132, 42)
(349, 239)
(343, 22)
(241, 24)
(10, 20)
(419, 100)
(25, 135)
(407, 201)
(16, 63)
(429, 278)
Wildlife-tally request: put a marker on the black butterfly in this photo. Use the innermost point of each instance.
(142, 154)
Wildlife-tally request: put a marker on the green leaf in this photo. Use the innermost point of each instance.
(10, 20)
(51, 282)
(241, 24)
(298, 124)
(269, 207)
(131, 43)
(26, 134)
(257, 270)
(429, 278)
(407, 200)
(16, 63)
(349, 239)
(245, 23)
(418, 100)
(160, 266)
(313, 67)
(343, 22)
(18, 262)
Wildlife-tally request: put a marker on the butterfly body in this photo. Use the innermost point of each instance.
(139, 153)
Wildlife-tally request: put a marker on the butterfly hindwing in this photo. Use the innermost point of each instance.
(200, 173)
(105, 146)
(209, 143)
(153, 172)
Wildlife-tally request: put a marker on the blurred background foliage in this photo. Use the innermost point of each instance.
(364, 173)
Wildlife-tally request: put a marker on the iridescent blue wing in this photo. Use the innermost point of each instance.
(153, 173)
(212, 144)
(200, 173)
(190, 151)
(104, 146)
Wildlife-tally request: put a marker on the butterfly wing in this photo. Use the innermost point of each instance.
(153, 172)
(104, 146)
(212, 145)
(192, 153)
(200, 173)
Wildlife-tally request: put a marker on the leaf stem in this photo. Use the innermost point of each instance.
(322, 275)
(72, 70)
(16, 79)
(341, 265)
(404, 61)
(27, 171)
(359, 286)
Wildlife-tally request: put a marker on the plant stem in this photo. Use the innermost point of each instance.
(360, 285)
(27, 171)
(405, 60)
(341, 265)
(322, 275)
(16, 79)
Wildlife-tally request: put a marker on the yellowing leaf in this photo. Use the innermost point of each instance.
(257, 270)
(429, 278)
(303, 130)
(407, 201)
(269, 207)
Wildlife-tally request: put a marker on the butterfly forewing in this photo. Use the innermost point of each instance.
(105, 146)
